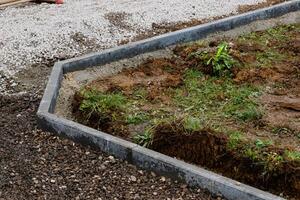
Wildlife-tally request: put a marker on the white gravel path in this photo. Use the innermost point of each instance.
(33, 33)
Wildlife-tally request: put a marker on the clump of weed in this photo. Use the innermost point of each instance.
(145, 139)
(252, 154)
(267, 57)
(235, 140)
(272, 161)
(262, 143)
(192, 124)
(219, 61)
(272, 34)
(242, 104)
(259, 153)
(140, 93)
(101, 103)
(281, 130)
(293, 155)
(266, 45)
(136, 118)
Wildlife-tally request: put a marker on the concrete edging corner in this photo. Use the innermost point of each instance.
(137, 155)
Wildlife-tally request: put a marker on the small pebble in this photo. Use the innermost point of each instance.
(133, 178)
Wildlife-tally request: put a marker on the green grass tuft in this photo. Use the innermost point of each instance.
(136, 118)
(235, 139)
(249, 113)
(192, 124)
(262, 143)
(145, 139)
(101, 103)
(293, 155)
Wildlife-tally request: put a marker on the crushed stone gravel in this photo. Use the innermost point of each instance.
(39, 165)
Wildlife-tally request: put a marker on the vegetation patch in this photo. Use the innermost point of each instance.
(231, 105)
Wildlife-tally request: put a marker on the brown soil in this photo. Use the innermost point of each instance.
(144, 76)
(155, 75)
(203, 148)
(118, 19)
(208, 148)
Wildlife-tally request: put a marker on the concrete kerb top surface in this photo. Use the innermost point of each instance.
(140, 156)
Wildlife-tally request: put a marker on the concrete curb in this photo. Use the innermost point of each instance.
(143, 157)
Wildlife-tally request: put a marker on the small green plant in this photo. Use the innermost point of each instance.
(234, 140)
(140, 94)
(99, 102)
(221, 61)
(281, 130)
(212, 98)
(145, 139)
(268, 57)
(262, 143)
(136, 118)
(293, 155)
(252, 154)
(192, 124)
(248, 114)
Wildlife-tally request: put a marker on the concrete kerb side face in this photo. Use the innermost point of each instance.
(51, 92)
(135, 154)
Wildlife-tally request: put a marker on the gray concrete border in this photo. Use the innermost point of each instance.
(140, 156)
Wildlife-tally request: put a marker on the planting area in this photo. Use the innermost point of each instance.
(229, 104)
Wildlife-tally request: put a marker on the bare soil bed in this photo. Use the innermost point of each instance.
(231, 105)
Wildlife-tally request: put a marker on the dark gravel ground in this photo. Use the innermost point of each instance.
(39, 165)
